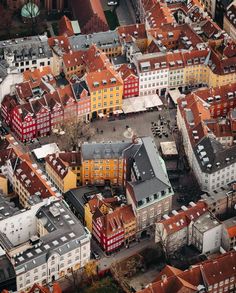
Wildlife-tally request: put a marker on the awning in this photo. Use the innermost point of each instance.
(175, 94)
(140, 104)
(100, 115)
(117, 112)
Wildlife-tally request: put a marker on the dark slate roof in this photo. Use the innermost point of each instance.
(104, 150)
(147, 160)
(77, 197)
(143, 189)
(212, 156)
(78, 88)
(65, 232)
(6, 272)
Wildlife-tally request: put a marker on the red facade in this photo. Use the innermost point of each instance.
(131, 86)
(109, 236)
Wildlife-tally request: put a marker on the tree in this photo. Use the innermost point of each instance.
(31, 14)
(76, 280)
(76, 132)
(162, 239)
(5, 19)
(91, 269)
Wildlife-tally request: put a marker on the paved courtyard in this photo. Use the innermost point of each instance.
(139, 124)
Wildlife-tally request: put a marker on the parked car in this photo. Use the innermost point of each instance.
(112, 3)
(95, 255)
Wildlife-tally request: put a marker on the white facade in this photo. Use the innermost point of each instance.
(151, 82)
(56, 267)
(207, 234)
(7, 83)
(21, 226)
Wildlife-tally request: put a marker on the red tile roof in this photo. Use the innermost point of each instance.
(61, 162)
(91, 16)
(32, 180)
(183, 218)
(204, 274)
(65, 26)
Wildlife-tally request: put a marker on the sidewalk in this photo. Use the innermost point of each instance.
(106, 262)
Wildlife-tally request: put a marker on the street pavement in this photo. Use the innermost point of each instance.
(106, 261)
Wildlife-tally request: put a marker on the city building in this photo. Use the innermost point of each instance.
(206, 121)
(153, 72)
(77, 200)
(91, 18)
(206, 233)
(214, 275)
(108, 42)
(59, 169)
(130, 81)
(230, 20)
(103, 162)
(26, 53)
(148, 188)
(176, 230)
(229, 234)
(68, 27)
(59, 245)
(221, 202)
(134, 33)
(114, 229)
(29, 180)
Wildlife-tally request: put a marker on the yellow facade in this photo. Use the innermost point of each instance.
(77, 171)
(88, 217)
(112, 51)
(88, 214)
(203, 74)
(219, 80)
(77, 69)
(130, 230)
(69, 181)
(105, 100)
(22, 192)
(196, 74)
(3, 185)
(97, 171)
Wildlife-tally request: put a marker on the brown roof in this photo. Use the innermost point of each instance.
(65, 27)
(73, 58)
(114, 221)
(183, 218)
(34, 76)
(61, 42)
(91, 11)
(136, 31)
(24, 90)
(205, 274)
(32, 180)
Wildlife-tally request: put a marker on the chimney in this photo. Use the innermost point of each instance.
(164, 278)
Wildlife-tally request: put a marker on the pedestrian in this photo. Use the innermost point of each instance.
(97, 130)
(114, 129)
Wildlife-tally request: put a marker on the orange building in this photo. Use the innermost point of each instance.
(103, 161)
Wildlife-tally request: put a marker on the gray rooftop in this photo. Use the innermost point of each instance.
(143, 189)
(212, 156)
(218, 194)
(65, 233)
(106, 150)
(206, 222)
(7, 208)
(147, 160)
(78, 197)
(109, 39)
(230, 222)
(27, 48)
